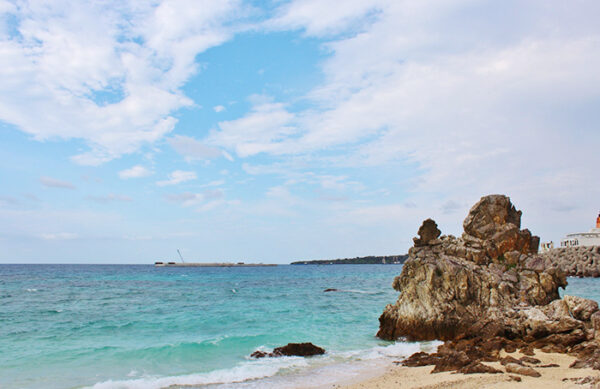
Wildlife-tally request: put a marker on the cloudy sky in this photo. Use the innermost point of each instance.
(283, 130)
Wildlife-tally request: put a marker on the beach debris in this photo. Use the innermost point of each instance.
(515, 378)
(291, 349)
(522, 370)
(485, 292)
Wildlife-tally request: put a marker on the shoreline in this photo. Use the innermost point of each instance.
(396, 376)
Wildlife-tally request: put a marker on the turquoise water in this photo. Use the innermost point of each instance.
(103, 326)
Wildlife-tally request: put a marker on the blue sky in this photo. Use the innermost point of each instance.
(283, 130)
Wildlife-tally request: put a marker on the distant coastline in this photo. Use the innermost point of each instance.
(370, 260)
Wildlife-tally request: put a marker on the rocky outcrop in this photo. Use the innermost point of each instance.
(481, 284)
(576, 261)
(486, 291)
(291, 349)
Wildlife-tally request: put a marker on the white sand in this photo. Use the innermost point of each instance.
(399, 377)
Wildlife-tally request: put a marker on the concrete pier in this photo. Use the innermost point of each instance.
(214, 264)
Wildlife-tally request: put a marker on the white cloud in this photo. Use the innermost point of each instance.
(137, 171)
(59, 236)
(188, 199)
(109, 73)
(320, 18)
(219, 108)
(469, 102)
(50, 182)
(258, 131)
(177, 177)
(109, 198)
(192, 149)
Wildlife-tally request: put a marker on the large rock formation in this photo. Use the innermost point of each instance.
(576, 261)
(486, 291)
(477, 285)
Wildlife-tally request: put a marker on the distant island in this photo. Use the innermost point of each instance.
(370, 260)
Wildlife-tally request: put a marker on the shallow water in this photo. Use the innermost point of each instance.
(64, 326)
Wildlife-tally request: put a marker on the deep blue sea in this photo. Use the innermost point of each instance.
(137, 326)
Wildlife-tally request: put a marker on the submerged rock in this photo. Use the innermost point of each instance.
(291, 349)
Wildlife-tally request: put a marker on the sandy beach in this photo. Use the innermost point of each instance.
(421, 378)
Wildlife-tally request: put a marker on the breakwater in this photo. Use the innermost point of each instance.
(583, 261)
(214, 264)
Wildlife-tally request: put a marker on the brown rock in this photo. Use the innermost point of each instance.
(580, 308)
(508, 359)
(454, 289)
(420, 359)
(522, 370)
(427, 233)
(531, 360)
(259, 354)
(489, 215)
(451, 361)
(298, 349)
(291, 349)
(478, 368)
(591, 361)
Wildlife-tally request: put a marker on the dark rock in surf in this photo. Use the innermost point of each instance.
(291, 349)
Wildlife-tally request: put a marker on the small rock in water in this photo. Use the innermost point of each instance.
(299, 349)
(259, 354)
(291, 349)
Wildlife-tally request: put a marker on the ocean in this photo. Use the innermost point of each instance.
(137, 326)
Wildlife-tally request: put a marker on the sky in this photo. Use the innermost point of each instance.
(273, 131)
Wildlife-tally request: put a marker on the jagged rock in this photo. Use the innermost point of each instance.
(533, 361)
(588, 361)
(488, 291)
(522, 370)
(299, 349)
(427, 233)
(478, 368)
(259, 354)
(508, 359)
(466, 286)
(291, 349)
(580, 308)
